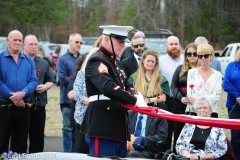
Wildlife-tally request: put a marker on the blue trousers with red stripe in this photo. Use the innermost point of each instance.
(106, 147)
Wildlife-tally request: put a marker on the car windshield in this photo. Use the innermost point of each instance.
(158, 46)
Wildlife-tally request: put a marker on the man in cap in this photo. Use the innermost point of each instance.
(105, 124)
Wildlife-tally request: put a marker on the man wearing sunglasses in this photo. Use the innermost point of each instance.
(130, 64)
(128, 51)
(215, 64)
(65, 69)
(105, 123)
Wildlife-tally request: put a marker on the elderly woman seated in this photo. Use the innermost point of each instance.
(202, 142)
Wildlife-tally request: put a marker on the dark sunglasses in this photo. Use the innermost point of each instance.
(78, 42)
(190, 54)
(140, 45)
(205, 56)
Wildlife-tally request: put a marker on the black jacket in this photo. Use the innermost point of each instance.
(126, 53)
(130, 65)
(156, 130)
(106, 118)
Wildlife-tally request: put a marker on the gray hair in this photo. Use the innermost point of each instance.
(201, 39)
(203, 99)
(72, 35)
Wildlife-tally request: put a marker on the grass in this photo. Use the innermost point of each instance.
(53, 125)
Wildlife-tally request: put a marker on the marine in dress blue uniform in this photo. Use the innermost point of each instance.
(105, 124)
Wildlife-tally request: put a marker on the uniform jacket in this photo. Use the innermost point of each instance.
(156, 130)
(215, 143)
(106, 118)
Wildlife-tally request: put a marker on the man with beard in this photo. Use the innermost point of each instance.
(65, 69)
(168, 65)
(128, 51)
(130, 64)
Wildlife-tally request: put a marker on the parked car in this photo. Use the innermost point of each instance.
(62, 49)
(158, 45)
(155, 40)
(3, 44)
(89, 40)
(227, 55)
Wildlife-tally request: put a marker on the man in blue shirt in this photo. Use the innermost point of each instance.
(65, 69)
(17, 82)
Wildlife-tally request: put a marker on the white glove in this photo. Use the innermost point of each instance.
(140, 100)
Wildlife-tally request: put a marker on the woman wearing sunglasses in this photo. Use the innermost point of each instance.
(179, 85)
(204, 80)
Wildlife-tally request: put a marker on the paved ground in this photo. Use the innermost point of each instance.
(53, 144)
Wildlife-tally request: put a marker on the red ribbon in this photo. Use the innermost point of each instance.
(197, 120)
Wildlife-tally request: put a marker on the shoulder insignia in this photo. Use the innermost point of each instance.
(115, 88)
(102, 68)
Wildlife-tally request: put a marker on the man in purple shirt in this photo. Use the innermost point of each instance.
(17, 82)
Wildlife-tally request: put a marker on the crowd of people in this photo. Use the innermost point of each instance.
(93, 85)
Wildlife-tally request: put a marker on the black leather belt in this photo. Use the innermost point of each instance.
(5, 101)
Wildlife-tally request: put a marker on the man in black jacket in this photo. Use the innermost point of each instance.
(128, 51)
(153, 130)
(131, 63)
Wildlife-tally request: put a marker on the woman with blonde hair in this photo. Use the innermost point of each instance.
(204, 80)
(148, 80)
(232, 86)
(179, 85)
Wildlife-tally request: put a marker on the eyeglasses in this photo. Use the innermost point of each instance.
(140, 45)
(205, 56)
(190, 54)
(78, 42)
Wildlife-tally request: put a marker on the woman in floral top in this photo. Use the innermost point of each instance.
(202, 142)
(80, 96)
(204, 80)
